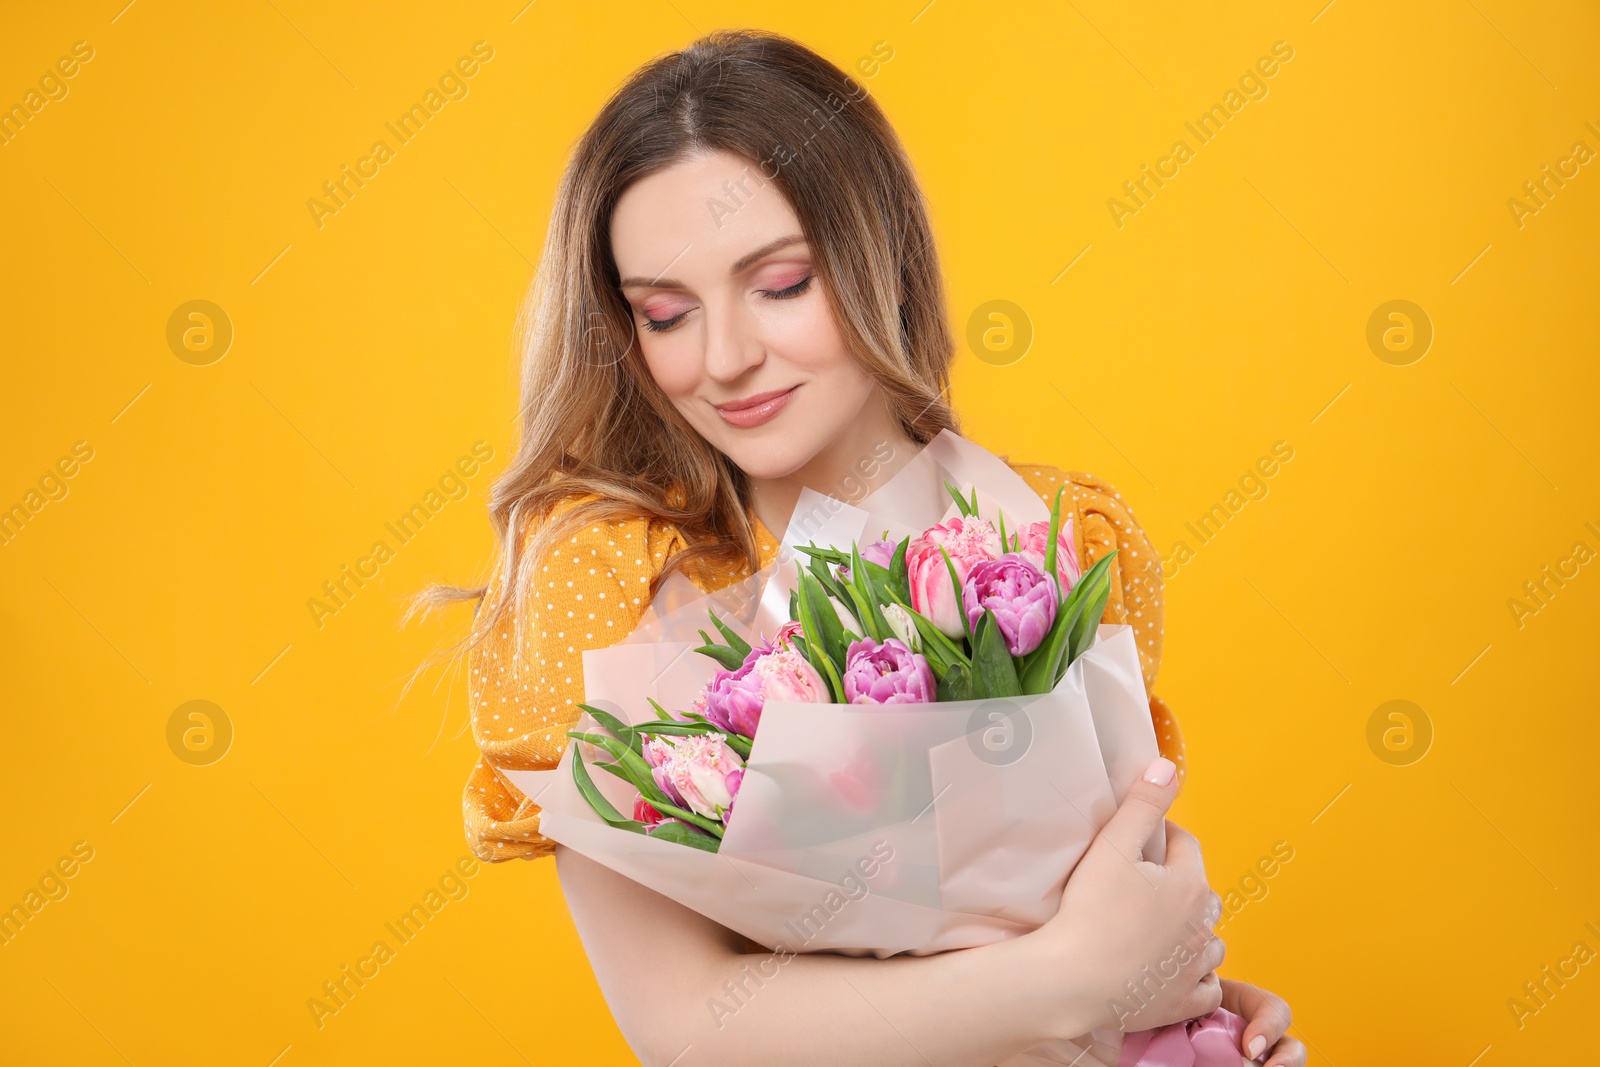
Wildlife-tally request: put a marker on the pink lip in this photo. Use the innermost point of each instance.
(755, 410)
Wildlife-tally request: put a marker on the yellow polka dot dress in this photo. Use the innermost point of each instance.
(591, 592)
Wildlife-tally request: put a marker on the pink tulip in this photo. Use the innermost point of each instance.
(1034, 538)
(968, 540)
(699, 772)
(772, 670)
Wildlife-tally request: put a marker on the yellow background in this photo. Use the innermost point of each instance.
(1228, 314)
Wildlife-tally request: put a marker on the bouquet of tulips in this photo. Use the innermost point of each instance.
(961, 611)
(922, 727)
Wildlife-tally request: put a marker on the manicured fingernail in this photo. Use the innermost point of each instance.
(1257, 1043)
(1160, 772)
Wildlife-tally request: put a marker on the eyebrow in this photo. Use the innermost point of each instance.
(743, 264)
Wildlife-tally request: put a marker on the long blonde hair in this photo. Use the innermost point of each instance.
(594, 424)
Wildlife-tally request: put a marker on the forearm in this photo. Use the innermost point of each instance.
(969, 1007)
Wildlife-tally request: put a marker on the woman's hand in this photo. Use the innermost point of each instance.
(1266, 1017)
(1132, 940)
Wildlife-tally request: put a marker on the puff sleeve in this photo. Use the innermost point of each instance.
(587, 593)
(1103, 521)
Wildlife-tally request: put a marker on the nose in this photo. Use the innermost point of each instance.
(732, 343)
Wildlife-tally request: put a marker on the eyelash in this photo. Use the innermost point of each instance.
(797, 289)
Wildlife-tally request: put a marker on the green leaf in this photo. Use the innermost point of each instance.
(735, 642)
(863, 613)
(899, 578)
(834, 587)
(666, 807)
(818, 567)
(880, 582)
(811, 597)
(1088, 622)
(597, 800)
(956, 684)
(974, 500)
(638, 771)
(828, 631)
(961, 501)
(738, 742)
(794, 605)
(1041, 667)
(1002, 517)
(1091, 581)
(871, 616)
(933, 637)
(728, 658)
(827, 555)
(936, 663)
(608, 721)
(661, 712)
(1050, 545)
(992, 666)
(879, 577)
(612, 768)
(682, 835)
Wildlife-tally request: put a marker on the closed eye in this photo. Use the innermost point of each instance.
(797, 289)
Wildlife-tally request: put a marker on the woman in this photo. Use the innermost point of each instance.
(740, 297)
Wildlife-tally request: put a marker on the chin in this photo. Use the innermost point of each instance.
(777, 456)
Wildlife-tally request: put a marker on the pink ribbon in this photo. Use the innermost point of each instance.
(1209, 1041)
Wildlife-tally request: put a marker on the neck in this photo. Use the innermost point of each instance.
(848, 468)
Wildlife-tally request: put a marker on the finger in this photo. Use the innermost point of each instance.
(1142, 809)
(1206, 997)
(1287, 1053)
(1266, 1014)
(1176, 831)
(1183, 850)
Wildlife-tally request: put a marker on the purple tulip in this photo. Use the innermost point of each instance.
(880, 552)
(886, 673)
(1023, 602)
(772, 670)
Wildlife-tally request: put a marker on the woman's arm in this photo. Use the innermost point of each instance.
(665, 969)
(684, 991)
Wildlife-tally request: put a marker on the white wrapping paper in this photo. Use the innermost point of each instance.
(874, 829)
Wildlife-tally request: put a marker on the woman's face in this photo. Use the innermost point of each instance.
(730, 314)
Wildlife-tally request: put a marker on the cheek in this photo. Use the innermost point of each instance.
(813, 344)
(675, 372)
(812, 341)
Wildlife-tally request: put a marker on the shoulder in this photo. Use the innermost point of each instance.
(1081, 492)
(621, 542)
(1101, 518)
